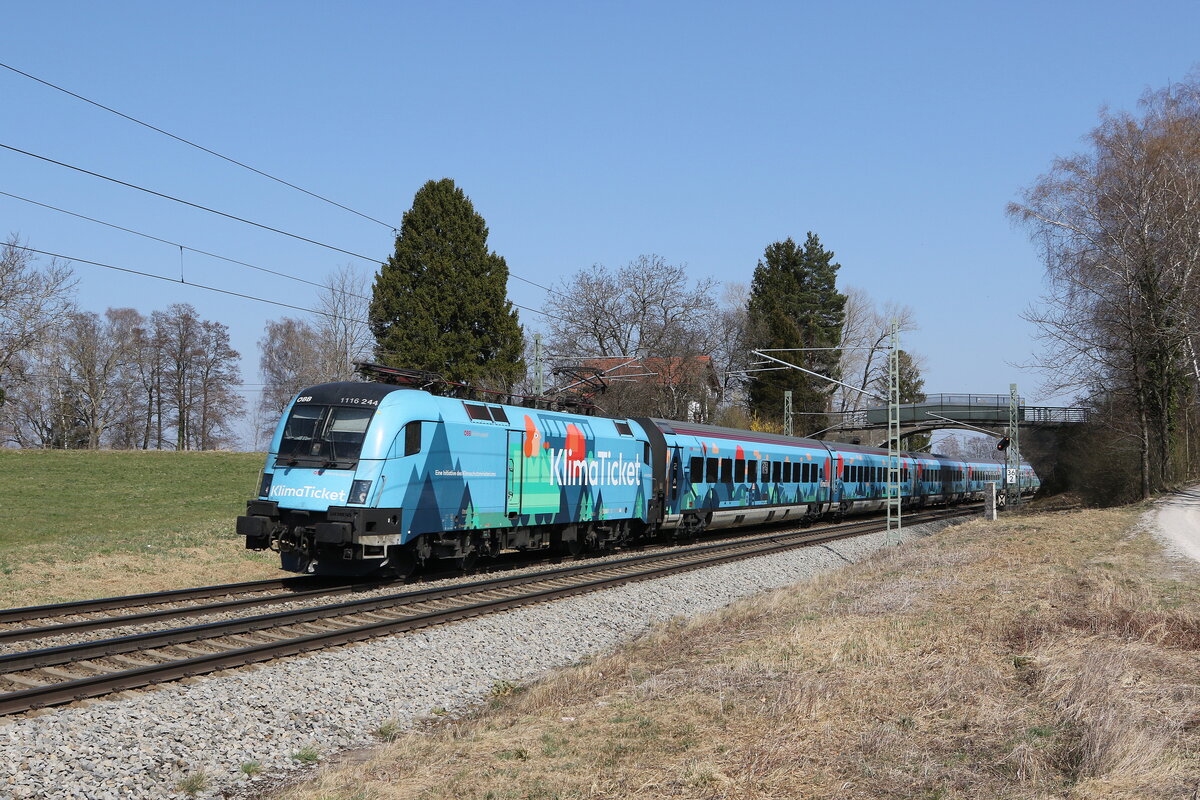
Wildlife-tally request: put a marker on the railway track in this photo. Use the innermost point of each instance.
(55, 675)
(161, 606)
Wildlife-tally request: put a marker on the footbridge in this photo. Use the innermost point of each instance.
(986, 412)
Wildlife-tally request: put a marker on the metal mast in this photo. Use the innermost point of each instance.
(1013, 454)
(894, 500)
(539, 373)
(787, 412)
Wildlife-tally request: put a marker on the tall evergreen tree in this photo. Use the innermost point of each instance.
(794, 302)
(440, 302)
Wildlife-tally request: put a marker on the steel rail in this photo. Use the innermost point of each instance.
(153, 598)
(93, 686)
(44, 631)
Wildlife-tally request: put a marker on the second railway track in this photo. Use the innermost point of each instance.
(56, 675)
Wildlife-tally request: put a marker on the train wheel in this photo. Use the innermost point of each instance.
(402, 563)
(467, 563)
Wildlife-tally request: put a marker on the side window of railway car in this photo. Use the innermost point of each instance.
(787, 472)
(739, 470)
(697, 469)
(498, 414)
(752, 471)
(477, 412)
(777, 471)
(766, 471)
(623, 428)
(412, 438)
(726, 470)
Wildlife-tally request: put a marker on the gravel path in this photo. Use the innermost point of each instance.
(143, 745)
(1176, 521)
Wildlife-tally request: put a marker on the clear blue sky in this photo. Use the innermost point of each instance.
(583, 133)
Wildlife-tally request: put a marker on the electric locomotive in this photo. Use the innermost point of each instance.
(379, 478)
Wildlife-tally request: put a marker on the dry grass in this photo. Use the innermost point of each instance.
(1045, 656)
(104, 575)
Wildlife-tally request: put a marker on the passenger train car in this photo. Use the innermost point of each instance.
(373, 477)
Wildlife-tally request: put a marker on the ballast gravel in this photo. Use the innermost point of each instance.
(146, 744)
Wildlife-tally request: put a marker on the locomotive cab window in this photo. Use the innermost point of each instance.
(324, 436)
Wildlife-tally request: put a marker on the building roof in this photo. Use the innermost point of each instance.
(670, 371)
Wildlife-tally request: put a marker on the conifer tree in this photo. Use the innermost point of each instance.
(794, 303)
(440, 302)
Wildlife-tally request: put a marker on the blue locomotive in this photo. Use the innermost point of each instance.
(373, 477)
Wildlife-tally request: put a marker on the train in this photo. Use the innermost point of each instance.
(369, 477)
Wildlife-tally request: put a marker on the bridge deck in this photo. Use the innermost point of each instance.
(975, 409)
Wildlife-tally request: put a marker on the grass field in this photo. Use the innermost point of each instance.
(79, 524)
(1042, 656)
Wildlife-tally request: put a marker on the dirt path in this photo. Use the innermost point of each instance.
(1177, 519)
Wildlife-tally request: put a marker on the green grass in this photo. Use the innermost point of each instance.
(80, 524)
(107, 501)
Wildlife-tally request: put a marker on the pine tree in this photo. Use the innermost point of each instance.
(794, 303)
(440, 302)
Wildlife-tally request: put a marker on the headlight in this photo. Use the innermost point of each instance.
(358, 492)
(264, 488)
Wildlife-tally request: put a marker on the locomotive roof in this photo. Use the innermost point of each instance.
(346, 392)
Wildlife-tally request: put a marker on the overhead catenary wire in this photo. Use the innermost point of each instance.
(229, 292)
(200, 147)
(224, 214)
(181, 246)
(217, 289)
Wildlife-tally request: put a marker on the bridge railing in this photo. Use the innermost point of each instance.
(1054, 415)
(986, 409)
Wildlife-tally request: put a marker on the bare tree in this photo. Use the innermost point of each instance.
(100, 356)
(730, 342)
(647, 308)
(342, 333)
(216, 374)
(865, 338)
(289, 360)
(33, 301)
(1119, 232)
(41, 409)
(177, 334)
